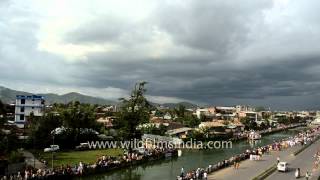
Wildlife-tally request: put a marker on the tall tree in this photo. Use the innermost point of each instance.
(2, 114)
(8, 141)
(180, 111)
(76, 117)
(40, 129)
(2, 108)
(134, 111)
(248, 123)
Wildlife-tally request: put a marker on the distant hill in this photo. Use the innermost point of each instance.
(185, 104)
(8, 96)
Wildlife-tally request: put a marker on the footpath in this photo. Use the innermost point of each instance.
(250, 169)
(32, 161)
(304, 161)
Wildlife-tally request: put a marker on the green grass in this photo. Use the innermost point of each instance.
(74, 157)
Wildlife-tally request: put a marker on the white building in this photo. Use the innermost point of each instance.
(25, 105)
(240, 108)
(253, 116)
(200, 112)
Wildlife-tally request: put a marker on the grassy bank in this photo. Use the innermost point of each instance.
(74, 157)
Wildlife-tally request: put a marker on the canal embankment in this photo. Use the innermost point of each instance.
(190, 159)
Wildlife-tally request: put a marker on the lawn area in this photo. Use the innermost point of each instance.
(74, 157)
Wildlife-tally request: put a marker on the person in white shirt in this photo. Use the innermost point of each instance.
(205, 175)
(297, 173)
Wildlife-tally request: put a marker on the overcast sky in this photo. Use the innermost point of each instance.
(218, 52)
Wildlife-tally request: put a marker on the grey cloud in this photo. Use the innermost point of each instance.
(214, 26)
(20, 59)
(250, 61)
(207, 83)
(110, 29)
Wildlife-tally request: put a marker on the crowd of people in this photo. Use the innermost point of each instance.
(106, 163)
(102, 164)
(253, 154)
(244, 134)
(316, 159)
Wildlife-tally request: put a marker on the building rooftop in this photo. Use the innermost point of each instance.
(179, 130)
(29, 97)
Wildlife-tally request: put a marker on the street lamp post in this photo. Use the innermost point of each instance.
(52, 152)
(34, 158)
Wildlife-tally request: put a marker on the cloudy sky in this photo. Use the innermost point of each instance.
(225, 52)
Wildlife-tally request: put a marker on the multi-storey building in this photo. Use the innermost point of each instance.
(26, 105)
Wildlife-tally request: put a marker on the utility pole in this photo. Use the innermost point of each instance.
(34, 158)
(52, 152)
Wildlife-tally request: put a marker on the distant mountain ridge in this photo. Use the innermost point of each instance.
(8, 96)
(187, 105)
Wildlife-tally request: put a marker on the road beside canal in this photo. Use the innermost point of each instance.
(191, 159)
(304, 161)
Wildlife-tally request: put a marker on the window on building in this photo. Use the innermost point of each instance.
(22, 117)
(32, 107)
(22, 109)
(23, 101)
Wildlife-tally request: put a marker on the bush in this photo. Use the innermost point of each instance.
(15, 157)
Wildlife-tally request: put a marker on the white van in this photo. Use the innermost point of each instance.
(282, 166)
(52, 148)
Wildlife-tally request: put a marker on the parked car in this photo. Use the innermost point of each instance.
(52, 148)
(82, 146)
(282, 166)
(140, 150)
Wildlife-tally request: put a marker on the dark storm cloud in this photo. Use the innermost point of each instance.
(210, 25)
(215, 52)
(205, 82)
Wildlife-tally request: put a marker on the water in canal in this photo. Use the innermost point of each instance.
(190, 159)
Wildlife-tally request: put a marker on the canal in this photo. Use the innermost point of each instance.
(190, 159)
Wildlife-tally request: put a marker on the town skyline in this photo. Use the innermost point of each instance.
(63, 98)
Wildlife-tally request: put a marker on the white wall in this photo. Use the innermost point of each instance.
(30, 106)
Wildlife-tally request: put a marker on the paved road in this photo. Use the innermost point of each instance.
(304, 161)
(250, 169)
(31, 160)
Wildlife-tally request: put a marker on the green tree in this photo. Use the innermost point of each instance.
(180, 111)
(2, 114)
(77, 115)
(284, 120)
(191, 121)
(2, 108)
(134, 111)
(8, 139)
(41, 128)
(162, 129)
(203, 118)
(249, 123)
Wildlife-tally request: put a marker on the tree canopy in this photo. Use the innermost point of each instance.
(134, 111)
(74, 116)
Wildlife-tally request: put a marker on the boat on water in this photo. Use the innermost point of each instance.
(253, 135)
